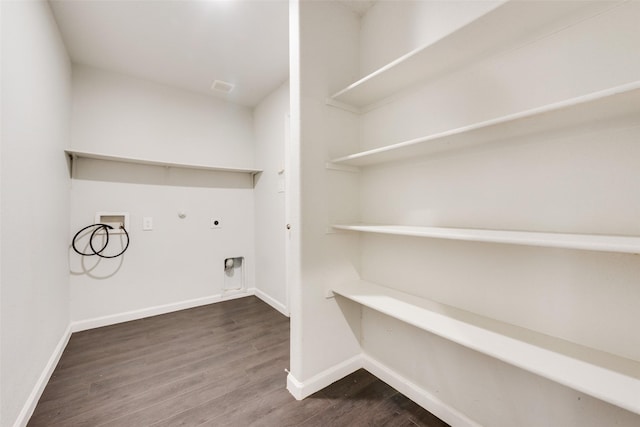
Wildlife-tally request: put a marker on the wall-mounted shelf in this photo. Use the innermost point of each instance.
(487, 33)
(619, 101)
(341, 167)
(75, 154)
(592, 242)
(602, 375)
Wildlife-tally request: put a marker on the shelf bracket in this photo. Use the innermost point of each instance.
(73, 164)
(331, 230)
(254, 177)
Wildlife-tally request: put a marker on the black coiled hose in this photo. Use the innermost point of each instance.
(106, 229)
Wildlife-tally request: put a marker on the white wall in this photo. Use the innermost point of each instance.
(323, 336)
(36, 100)
(121, 115)
(580, 180)
(415, 23)
(180, 260)
(270, 233)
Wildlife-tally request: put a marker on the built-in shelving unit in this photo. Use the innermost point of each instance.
(592, 242)
(619, 101)
(75, 154)
(602, 375)
(606, 376)
(485, 34)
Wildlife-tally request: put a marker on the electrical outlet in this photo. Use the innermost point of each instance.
(147, 223)
(216, 223)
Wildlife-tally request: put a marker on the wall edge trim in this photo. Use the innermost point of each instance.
(271, 301)
(302, 389)
(419, 395)
(32, 401)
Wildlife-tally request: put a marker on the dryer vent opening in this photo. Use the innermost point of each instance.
(233, 273)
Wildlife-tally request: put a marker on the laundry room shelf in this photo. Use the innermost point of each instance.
(597, 107)
(484, 35)
(75, 154)
(592, 242)
(602, 375)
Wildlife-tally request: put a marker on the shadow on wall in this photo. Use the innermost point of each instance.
(110, 171)
(92, 265)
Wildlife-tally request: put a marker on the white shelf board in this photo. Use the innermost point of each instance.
(592, 242)
(599, 374)
(598, 107)
(75, 154)
(503, 27)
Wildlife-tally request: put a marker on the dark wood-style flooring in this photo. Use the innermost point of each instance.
(216, 365)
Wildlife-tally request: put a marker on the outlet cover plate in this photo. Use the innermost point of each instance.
(147, 223)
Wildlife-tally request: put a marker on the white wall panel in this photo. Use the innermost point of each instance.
(181, 259)
(36, 104)
(270, 119)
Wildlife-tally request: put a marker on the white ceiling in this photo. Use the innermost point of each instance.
(183, 43)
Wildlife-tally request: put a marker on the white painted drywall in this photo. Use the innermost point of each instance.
(270, 119)
(415, 24)
(36, 102)
(180, 259)
(323, 336)
(576, 181)
(121, 115)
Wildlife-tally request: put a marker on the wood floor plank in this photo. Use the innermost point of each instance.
(348, 386)
(224, 407)
(261, 406)
(344, 412)
(415, 412)
(149, 344)
(253, 363)
(385, 413)
(168, 356)
(217, 365)
(290, 414)
(166, 396)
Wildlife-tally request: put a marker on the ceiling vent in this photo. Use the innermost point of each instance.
(222, 87)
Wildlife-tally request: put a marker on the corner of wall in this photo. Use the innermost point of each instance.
(271, 130)
(416, 393)
(43, 379)
(302, 389)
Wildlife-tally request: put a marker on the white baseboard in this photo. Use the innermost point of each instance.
(419, 395)
(271, 301)
(302, 389)
(38, 388)
(112, 319)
